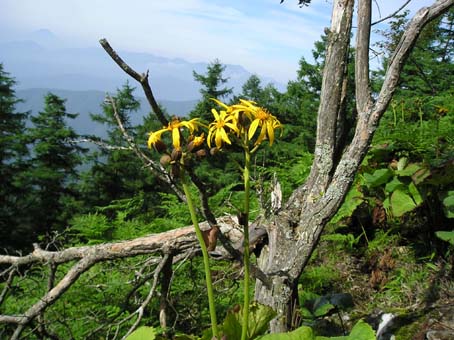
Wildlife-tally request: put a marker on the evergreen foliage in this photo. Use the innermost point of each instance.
(53, 166)
(212, 87)
(13, 153)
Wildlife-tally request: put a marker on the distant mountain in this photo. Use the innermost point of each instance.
(86, 102)
(43, 61)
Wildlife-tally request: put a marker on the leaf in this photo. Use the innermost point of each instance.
(401, 163)
(401, 203)
(143, 333)
(323, 309)
(447, 236)
(393, 185)
(362, 331)
(379, 177)
(185, 337)
(305, 313)
(448, 204)
(387, 205)
(231, 326)
(302, 333)
(259, 319)
(420, 175)
(409, 170)
(415, 194)
(353, 199)
(210, 236)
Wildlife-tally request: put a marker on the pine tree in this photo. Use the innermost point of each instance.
(212, 84)
(13, 152)
(54, 163)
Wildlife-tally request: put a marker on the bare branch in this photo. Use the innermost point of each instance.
(50, 297)
(9, 280)
(141, 78)
(392, 14)
(166, 279)
(166, 261)
(403, 49)
(155, 167)
(331, 93)
(102, 144)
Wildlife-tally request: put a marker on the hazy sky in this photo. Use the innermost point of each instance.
(263, 36)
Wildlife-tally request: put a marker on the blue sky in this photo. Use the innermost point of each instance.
(263, 36)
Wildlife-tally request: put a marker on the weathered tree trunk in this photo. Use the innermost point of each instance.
(294, 232)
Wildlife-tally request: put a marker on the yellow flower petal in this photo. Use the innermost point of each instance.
(270, 132)
(220, 103)
(253, 128)
(176, 138)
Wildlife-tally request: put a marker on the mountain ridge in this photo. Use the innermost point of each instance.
(41, 60)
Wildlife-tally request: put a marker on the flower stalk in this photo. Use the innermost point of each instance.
(206, 262)
(246, 255)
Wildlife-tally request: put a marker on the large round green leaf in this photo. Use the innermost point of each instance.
(401, 203)
(143, 333)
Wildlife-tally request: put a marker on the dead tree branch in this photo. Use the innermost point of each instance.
(173, 242)
(156, 168)
(141, 78)
(102, 144)
(295, 232)
(166, 261)
(392, 14)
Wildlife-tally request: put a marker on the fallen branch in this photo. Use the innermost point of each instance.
(174, 242)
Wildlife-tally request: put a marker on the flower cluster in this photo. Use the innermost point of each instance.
(240, 119)
(182, 143)
(239, 122)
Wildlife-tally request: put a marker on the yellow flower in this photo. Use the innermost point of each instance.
(174, 127)
(198, 140)
(260, 118)
(222, 120)
(154, 139)
(195, 142)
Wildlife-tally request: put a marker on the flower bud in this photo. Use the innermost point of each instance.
(191, 146)
(214, 151)
(176, 155)
(201, 153)
(165, 160)
(159, 146)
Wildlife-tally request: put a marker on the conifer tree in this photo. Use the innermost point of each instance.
(13, 152)
(54, 163)
(212, 87)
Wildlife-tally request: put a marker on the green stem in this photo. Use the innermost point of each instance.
(206, 262)
(246, 260)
